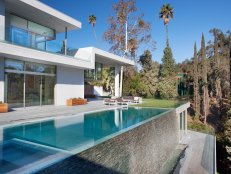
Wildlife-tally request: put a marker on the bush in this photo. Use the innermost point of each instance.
(200, 127)
(167, 88)
(133, 86)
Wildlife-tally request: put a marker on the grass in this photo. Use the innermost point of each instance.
(200, 127)
(158, 103)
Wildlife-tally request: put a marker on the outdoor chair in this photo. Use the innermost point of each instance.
(109, 102)
(121, 101)
(132, 99)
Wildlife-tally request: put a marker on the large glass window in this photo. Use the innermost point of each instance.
(39, 80)
(30, 34)
(32, 90)
(19, 37)
(41, 68)
(48, 84)
(18, 22)
(94, 74)
(98, 71)
(14, 89)
(14, 64)
(39, 29)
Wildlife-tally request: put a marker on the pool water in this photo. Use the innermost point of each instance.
(35, 141)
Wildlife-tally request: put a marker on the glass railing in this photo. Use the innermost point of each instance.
(29, 39)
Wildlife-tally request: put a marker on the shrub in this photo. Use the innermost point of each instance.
(167, 88)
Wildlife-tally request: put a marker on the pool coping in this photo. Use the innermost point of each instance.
(80, 149)
(32, 120)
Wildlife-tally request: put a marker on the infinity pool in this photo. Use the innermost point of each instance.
(26, 143)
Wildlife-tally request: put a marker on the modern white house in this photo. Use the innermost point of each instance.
(34, 69)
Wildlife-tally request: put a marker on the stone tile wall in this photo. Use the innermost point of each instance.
(142, 150)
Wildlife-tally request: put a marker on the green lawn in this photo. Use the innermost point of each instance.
(200, 127)
(158, 103)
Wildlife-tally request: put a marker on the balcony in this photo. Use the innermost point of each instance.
(36, 41)
(29, 46)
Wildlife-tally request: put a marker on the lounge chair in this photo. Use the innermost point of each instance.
(133, 99)
(121, 101)
(137, 100)
(109, 101)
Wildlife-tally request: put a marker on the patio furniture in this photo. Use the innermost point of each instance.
(137, 100)
(121, 101)
(109, 101)
(76, 101)
(3, 107)
(133, 99)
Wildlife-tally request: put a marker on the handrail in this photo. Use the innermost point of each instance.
(86, 57)
(26, 38)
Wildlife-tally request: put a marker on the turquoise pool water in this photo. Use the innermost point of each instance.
(38, 140)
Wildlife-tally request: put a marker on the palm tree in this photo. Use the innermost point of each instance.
(166, 13)
(92, 21)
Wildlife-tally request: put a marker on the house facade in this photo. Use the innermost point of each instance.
(35, 70)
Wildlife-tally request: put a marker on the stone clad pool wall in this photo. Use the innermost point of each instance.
(143, 149)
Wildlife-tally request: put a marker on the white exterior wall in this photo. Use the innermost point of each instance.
(69, 84)
(1, 79)
(98, 90)
(2, 20)
(117, 81)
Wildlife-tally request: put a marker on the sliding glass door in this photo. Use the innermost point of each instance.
(32, 90)
(29, 84)
(48, 84)
(14, 89)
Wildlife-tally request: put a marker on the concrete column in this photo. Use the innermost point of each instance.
(117, 81)
(186, 121)
(65, 41)
(121, 80)
(2, 20)
(2, 79)
(179, 122)
(1, 145)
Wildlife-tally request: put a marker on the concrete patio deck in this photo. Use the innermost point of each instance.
(40, 112)
(200, 156)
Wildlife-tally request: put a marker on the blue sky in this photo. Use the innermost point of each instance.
(191, 18)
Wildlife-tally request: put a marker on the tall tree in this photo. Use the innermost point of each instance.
(204, 79)
(166, 13)
(92, 21)
(149, 73)
(195, 84)
(167, 84)
(218, 72)
(229, 64)
(217, 66)
(168, 63)
(138, 30)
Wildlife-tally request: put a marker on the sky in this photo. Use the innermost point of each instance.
(191, 18)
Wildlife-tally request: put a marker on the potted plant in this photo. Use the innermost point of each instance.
(76, 101)
(81, 101)
(3, 107)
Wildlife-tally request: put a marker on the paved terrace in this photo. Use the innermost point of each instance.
(30, 113)
(200, 156)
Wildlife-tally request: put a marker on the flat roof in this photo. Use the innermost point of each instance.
(109, 59)
(43, 14)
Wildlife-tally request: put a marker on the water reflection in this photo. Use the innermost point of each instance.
(69, 133)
